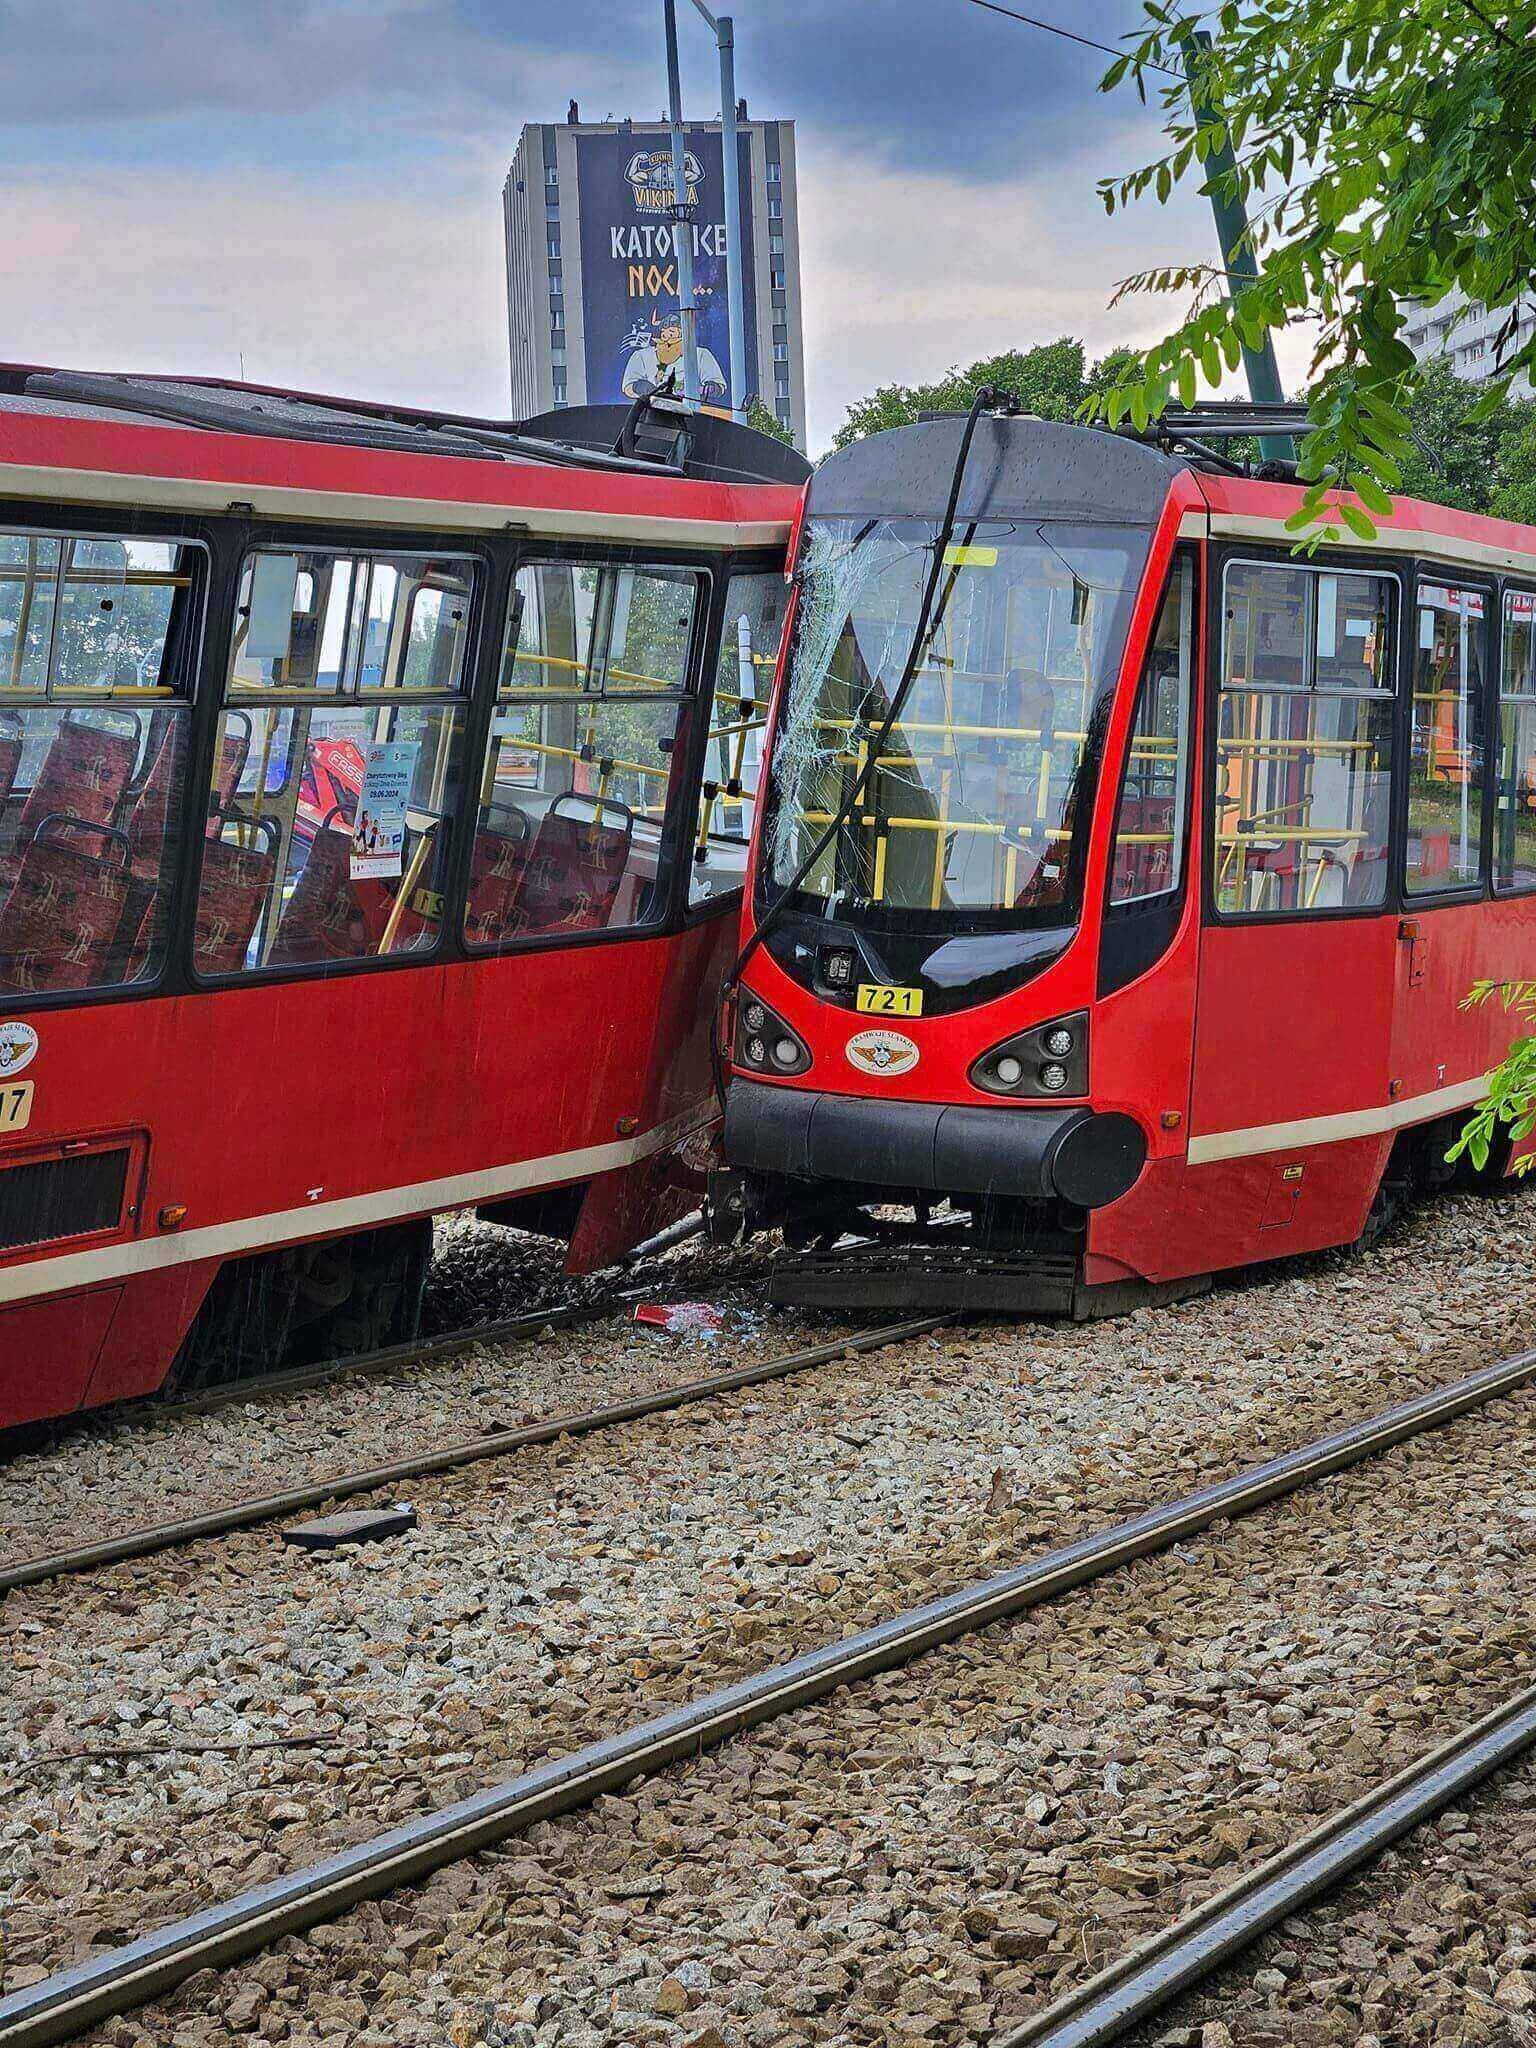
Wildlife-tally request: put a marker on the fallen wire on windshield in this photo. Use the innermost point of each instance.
(810, 752)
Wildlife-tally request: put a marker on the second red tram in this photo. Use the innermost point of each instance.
(1131, 946)
(373, 801)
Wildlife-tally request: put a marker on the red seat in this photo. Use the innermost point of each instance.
(577, 865)
(322, 919)
(83, 776)
(497, 864)
(62, 915)
(236, 883)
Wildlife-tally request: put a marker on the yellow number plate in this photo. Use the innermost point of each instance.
(880, 1000)
(15, 1106)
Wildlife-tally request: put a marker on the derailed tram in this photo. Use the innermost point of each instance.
(1119, 872)
(372, 800)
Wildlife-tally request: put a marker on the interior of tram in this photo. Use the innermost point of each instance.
(339, 773)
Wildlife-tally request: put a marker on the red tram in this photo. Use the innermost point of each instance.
(374, 803)
(1119, 872)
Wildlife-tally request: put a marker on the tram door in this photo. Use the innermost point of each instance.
(1293, 1024)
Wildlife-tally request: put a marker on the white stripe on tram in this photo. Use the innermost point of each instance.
(369, 508)
(1333, 1130)
(67, 1270)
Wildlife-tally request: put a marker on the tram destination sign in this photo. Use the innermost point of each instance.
(629, 264)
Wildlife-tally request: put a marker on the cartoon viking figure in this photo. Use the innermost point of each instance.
(656, 362)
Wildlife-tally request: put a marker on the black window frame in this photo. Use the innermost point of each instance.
(1135, 934)
(741, 562)
(226, 539)
(1427, 570)
(1516, 585)
(51, 519)
(1357, 562)
(221, 697)
(536, 553)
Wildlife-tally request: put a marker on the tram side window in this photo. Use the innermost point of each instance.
(98, 652)
(1151, 819)
(1303, 755)
(1445, 759)
(1514, 861)
(586, 754)
(755, 603)
(337, 771)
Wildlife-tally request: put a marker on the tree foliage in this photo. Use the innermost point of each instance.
(1054, 380)
(1382, 153)
(1511, 1097)
(757, 415)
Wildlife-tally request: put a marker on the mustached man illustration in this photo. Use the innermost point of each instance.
(655, 362)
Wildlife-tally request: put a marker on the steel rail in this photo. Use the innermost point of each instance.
(1155, 1971)
(60, 2006)
(499, 1443)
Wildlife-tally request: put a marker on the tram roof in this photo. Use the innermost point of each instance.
(1018, 468)
(645, 474)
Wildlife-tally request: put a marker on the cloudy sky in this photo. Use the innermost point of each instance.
(311, 188)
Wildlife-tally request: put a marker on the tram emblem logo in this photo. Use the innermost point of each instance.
(649, 177)
(18, 1048)
(881, 1052)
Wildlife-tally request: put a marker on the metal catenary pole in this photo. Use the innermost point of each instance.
(725, 41)
(1236, 249)
(682, 222)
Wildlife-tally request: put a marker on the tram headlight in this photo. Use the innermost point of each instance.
(1048, 1059)
(765, 1044)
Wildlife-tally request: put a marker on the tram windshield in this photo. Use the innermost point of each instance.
(979, 803)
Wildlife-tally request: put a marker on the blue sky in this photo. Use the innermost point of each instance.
(313, 186)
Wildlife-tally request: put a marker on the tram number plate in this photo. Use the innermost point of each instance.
(15, 1106)
(878, 999)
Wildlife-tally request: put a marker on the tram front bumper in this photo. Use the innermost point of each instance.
(1082, 1156)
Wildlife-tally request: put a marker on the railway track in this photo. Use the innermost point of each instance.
(415, 1351)
(62, 2005)
(249, 1513)
(1193, 1947)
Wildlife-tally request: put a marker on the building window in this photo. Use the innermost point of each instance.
(776, 276)
(1303, 755)
(781, 407)
(775, 206)
(775, 241)
(557, 305)
(554, 241)
(781, 383)
(781, 351)
(778, 298)
(551, 176)
(556, 273)
(774, 174)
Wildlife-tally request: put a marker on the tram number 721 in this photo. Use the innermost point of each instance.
(879, 999)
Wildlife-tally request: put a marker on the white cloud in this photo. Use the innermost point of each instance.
(397, 295)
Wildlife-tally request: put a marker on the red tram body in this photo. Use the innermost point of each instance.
(353, 860)
(1140, 954)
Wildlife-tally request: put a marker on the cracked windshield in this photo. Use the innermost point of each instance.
(983, 785)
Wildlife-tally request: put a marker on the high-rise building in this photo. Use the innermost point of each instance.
(1466, 334)
(592, 271)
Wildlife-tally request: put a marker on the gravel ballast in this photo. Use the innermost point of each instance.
(932, 1854)
(283, 1705)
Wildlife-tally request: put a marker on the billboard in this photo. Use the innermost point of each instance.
(629, 264)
